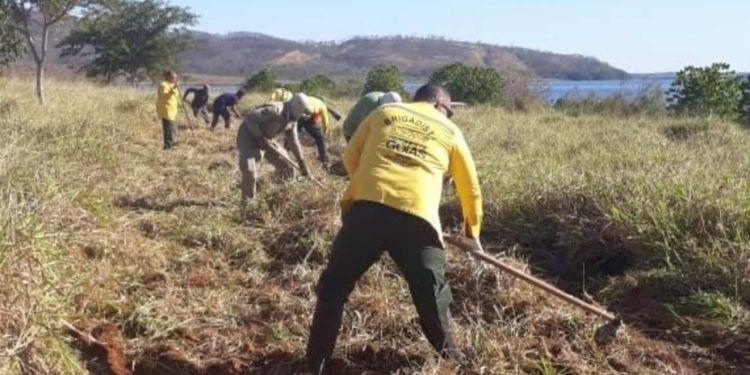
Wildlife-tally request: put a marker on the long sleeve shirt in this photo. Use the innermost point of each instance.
(269, 121)
(167, 101)
(398, 158)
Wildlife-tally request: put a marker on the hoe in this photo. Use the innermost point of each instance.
(604, 334)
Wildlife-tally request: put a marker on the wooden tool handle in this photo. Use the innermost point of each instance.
(469, 247)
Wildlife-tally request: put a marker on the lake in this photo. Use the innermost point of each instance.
(552, 90)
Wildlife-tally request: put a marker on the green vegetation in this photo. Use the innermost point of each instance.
(135, 39)
(11, 43)
(647, 214)
(745, 102)
(706, 91)
(263, 81)
(384, 78)
(648, 103)
(470, 84)
(319, 85)
(28, 15)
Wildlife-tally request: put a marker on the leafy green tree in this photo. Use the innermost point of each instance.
(318, 85)
(11, 43)
(745, 102)
(263, 81)
(134, 39)
(384, 78)
(470, 84)
(32, 17)
(706, 91)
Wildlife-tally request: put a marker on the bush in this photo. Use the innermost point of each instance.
(384, 78)
(318, 85)
(745, 102)
(351, 88)
(263, 81)
(707, 91)
(470, 84)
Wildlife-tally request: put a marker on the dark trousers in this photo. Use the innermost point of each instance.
(223, 113)
(316, 132)
(168, 129)
(201, 110)
(370, 229)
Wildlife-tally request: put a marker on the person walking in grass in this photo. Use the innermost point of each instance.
(225, 106)
(199, 104)
(167, 103)
(256, 139)
(396, 161)
(366, 104)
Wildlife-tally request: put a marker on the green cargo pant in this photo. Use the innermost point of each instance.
(369, 229)
(251, 155)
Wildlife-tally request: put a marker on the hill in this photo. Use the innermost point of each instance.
(152, 254)
(244, 53)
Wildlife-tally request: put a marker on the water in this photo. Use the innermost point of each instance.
(549, 90)
(552, 90)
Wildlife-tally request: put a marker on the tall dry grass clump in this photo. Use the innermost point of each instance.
(118, 257)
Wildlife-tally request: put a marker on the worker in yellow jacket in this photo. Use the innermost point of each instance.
(396, 161)
(316, 125)
(281, 94)
(167, 102)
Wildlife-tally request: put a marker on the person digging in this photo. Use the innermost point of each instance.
(256, 139)
(225, 106)
(199, 104)
(396, 161)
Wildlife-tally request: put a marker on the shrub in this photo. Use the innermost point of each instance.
(745, 102)
(263, 81)
(351, 88)
(706, 91)
(470, 84)
(318, 85)
(384, 78)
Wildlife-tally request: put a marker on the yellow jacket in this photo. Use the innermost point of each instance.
(167, 101)
(320, 107)
(398, 158)
(281, 95)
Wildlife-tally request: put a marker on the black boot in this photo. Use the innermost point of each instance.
(318, 368)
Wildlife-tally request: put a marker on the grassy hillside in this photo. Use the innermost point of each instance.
(417, 58)
(116, 256)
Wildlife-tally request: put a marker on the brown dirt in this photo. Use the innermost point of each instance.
(104, 346)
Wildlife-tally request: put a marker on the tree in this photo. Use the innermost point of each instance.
(318, 85)
(263, 81)
(43, 14)
(470, 83)
(134, 39)
(384, 78)
(706, 91)
(11, 42)
(745, 102)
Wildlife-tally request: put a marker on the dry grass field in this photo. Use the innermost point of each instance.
(117, 257)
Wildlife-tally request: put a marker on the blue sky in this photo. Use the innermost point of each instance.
(636, 35)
